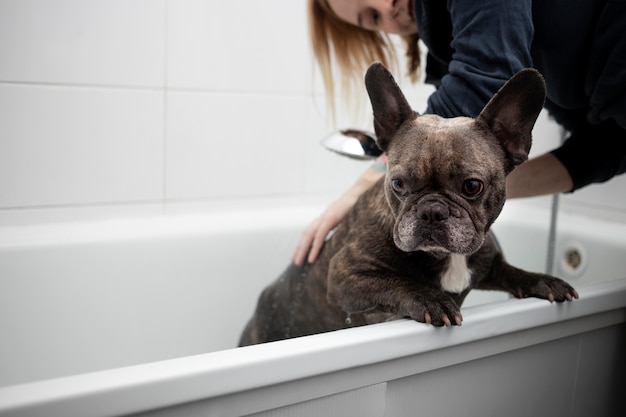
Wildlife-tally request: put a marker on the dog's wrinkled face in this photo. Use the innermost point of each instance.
(446, 178)
(444, 184)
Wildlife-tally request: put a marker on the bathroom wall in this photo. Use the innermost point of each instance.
(127, 107)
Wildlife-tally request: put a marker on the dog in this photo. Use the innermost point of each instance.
(417, 241)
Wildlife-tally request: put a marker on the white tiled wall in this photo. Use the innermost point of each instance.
(117, 102)
(127, 103)
(79, 145)
(110, 43)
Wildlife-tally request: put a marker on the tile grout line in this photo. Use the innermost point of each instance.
(165, 97)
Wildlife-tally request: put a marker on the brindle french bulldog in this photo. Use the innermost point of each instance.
(417, 241)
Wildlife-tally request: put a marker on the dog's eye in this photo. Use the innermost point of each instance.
(398, 186)
(472, 187)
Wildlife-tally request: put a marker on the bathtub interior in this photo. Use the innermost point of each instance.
(99, 296)
(103, 295)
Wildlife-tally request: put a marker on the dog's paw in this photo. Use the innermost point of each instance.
(440, 310)
(548, 288)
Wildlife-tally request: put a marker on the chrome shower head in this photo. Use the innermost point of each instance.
(352, 143)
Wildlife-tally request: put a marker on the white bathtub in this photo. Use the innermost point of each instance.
(111, 318)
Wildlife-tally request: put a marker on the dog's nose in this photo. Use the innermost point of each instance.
(433, 213)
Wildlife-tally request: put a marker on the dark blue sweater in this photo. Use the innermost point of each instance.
(578, 45)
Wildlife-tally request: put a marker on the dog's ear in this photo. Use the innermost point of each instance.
(512, 112)
(390, 107)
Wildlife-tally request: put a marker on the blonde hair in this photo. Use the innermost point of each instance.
(351, 49)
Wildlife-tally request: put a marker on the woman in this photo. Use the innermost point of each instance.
(473, 48)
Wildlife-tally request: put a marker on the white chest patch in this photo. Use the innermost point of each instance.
(457, 276)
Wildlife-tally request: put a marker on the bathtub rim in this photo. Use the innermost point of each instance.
(183, 380)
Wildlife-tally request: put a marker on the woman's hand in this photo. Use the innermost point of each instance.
(314, 236)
